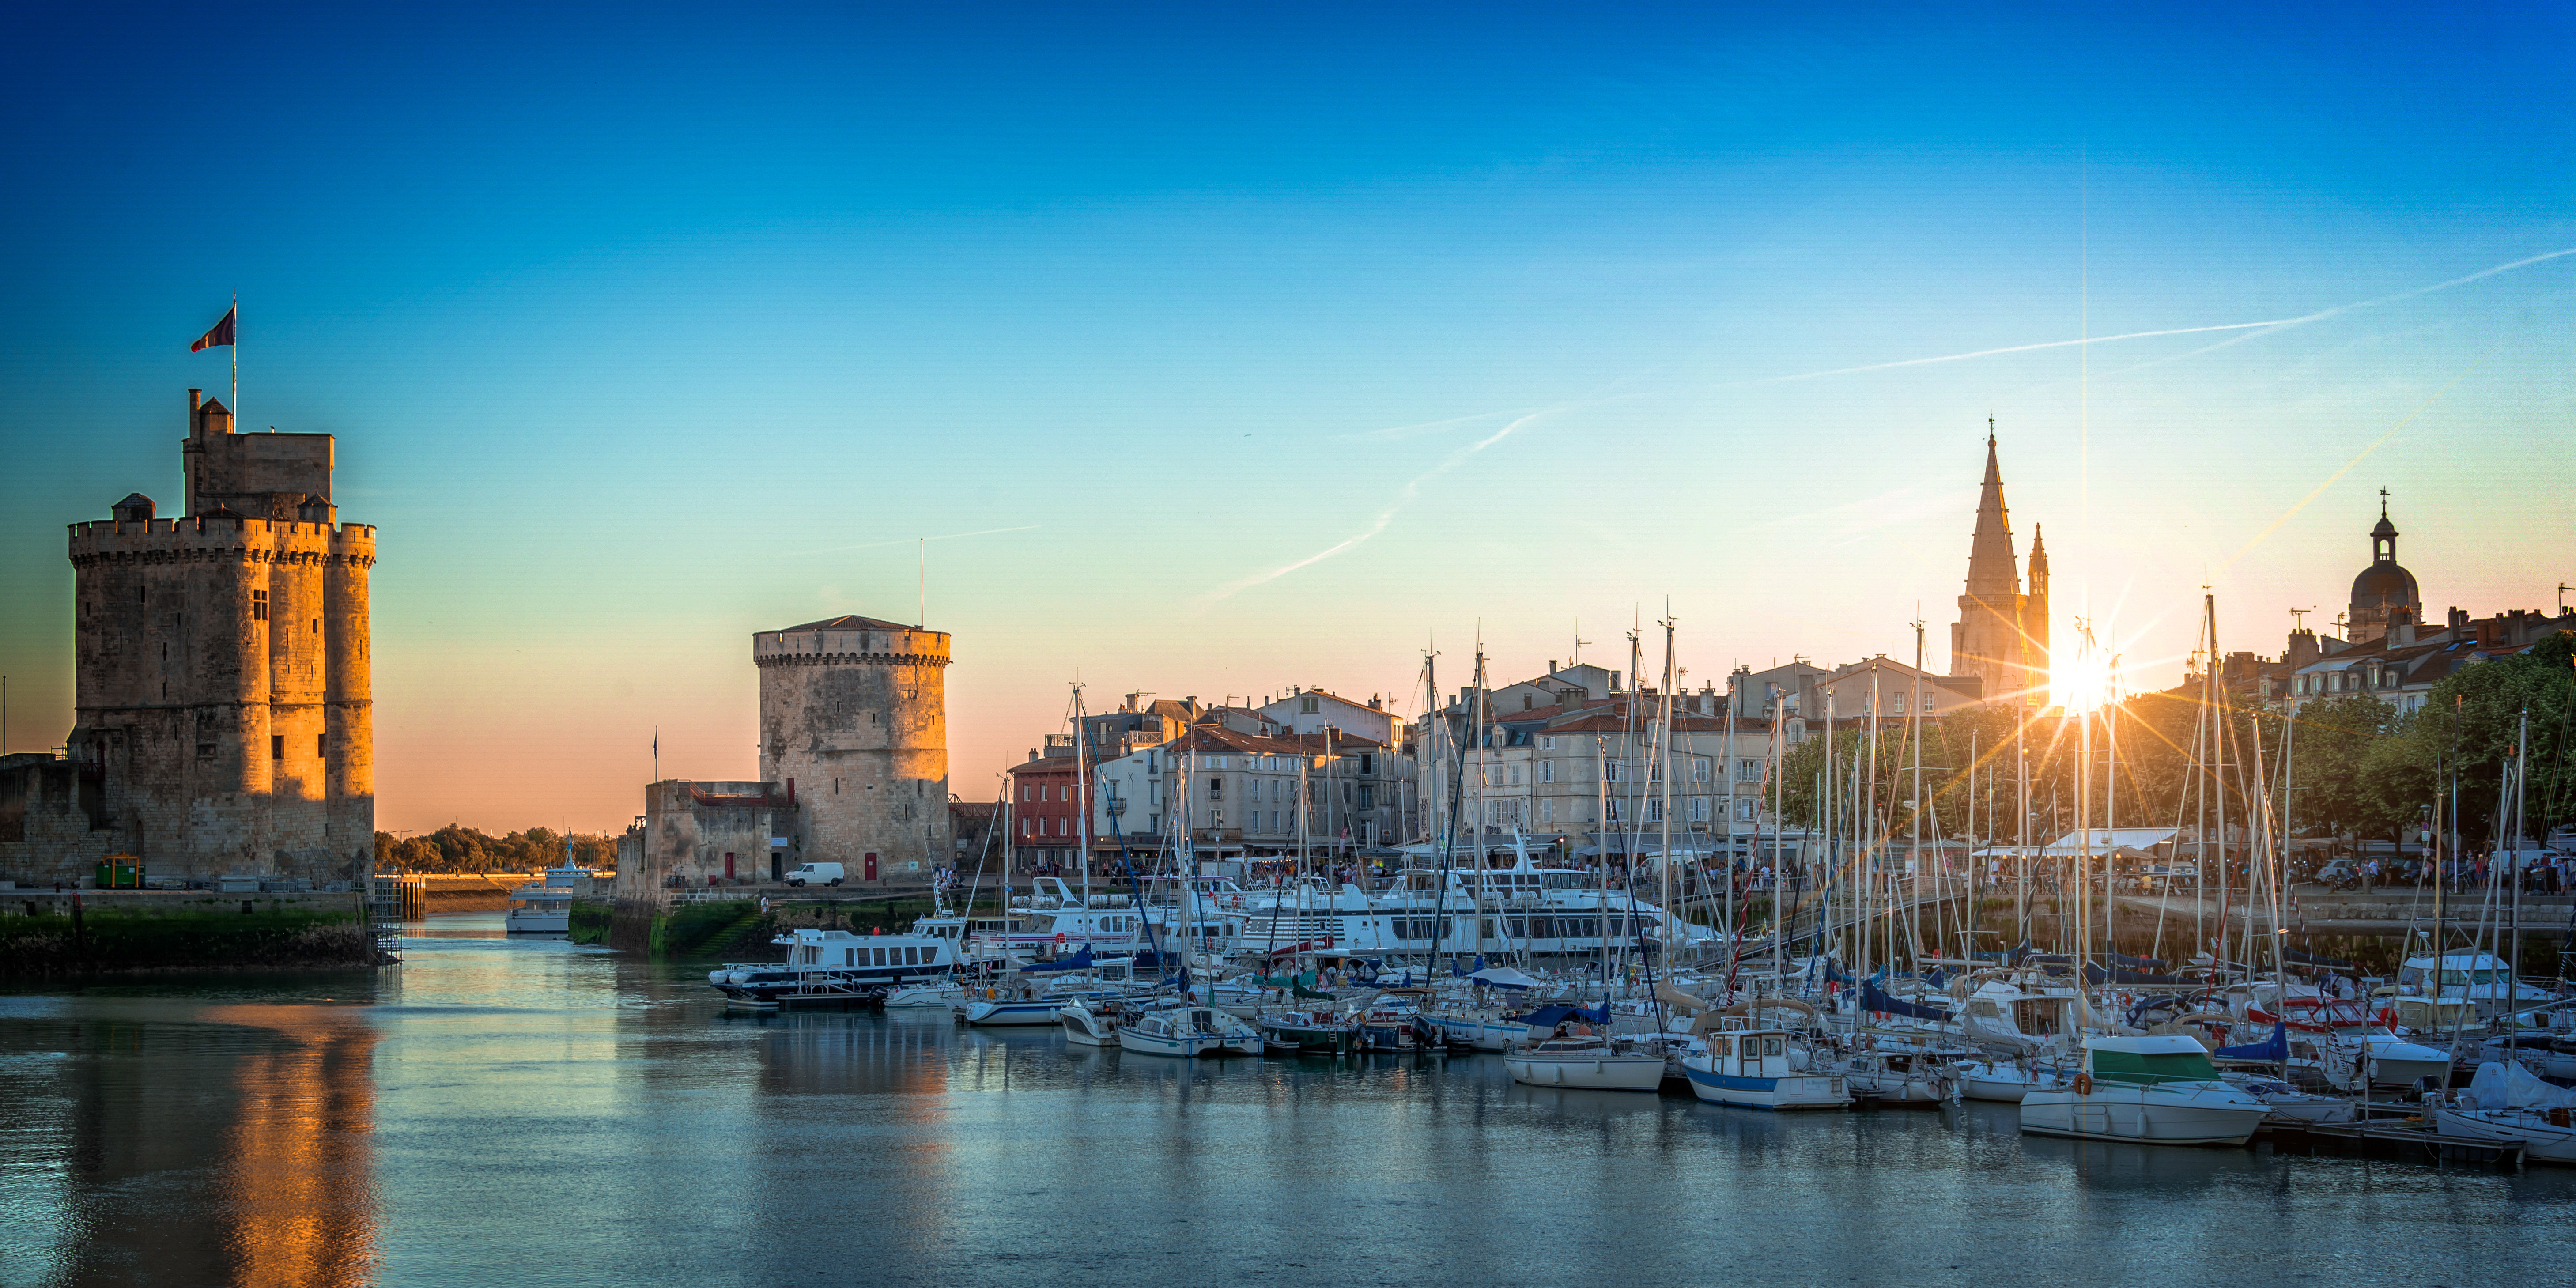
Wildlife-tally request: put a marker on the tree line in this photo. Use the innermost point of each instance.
(457, 848)
(2350, 766)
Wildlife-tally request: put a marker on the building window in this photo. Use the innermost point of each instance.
(1547, 771)
(1516, 776)
(259, 605)
(1547, 742)
(1699, 769)
(1748, 771)
(321, 747)
(1610, 771)
(1699, 809)
(1216, 787)
(1309, 706)
(1927, 703)
(1547, 809)
(277, 746)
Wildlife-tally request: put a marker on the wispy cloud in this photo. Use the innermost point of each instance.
(905, 541)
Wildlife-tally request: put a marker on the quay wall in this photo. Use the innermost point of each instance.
(45, 933)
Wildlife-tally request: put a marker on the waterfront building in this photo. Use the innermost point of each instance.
(224, 697)
(854, 732)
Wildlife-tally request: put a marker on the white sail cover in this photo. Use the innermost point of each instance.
(2510, 1086)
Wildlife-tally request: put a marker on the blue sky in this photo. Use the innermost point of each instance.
(645, 330)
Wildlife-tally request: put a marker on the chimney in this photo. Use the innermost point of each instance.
(1551, 666)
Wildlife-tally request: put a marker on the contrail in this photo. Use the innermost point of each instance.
(1403, 496)
(1413, 488)
(947, 536)
(2331, 479)
(2265, 327)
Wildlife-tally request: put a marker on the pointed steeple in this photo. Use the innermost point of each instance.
(1993, 573)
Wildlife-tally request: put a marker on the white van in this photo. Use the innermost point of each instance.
(827, 873)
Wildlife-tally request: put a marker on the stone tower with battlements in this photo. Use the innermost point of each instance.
(854, 730)
(224, 705)
(2001, 636)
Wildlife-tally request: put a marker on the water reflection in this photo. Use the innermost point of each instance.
(505, 1109)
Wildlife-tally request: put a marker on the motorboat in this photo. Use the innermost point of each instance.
(1188, 1031)
(1588, 1061)
(939, 995)
(1763, 1069)
(1038, 992)
(1088, 1023)
(2289, 1104)
(1328, 1033)
(1896, 1075)
(2149, 1090)
(2001, 1081)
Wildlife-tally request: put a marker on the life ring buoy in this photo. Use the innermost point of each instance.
(1059, 936)
(2083, 1084)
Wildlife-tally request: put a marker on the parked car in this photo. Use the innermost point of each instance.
(827, 873)
(2340, 874)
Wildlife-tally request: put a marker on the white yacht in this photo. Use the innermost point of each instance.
(1591, 1062)
(2146, 1090)
(545, 907)
(1188, 1031)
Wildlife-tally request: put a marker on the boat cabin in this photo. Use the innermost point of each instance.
(2148, 1061)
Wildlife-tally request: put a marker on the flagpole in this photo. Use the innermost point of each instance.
(235, 346)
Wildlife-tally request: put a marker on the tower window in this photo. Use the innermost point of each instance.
(277, 746)
(259, 605)
(321, 746)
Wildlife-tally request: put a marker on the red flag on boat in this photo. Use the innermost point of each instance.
(221, 334)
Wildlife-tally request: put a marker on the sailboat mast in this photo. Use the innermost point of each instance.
(1914, 734)
(1082, 804)
(1664, 801)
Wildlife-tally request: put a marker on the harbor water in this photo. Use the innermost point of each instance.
(514, 1112)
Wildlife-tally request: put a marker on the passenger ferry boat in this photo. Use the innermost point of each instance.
(837, 966)
(1524, 909)
(545, 908)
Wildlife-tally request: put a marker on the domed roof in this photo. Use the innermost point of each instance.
(2383, 586)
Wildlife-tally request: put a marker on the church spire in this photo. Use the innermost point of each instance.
(1993, 572)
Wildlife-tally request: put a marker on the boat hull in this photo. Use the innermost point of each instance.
(1802, 1091)
(2543, 1141)
(538, 923)
(1586, 1071)
(1185, 1046)
(2170, 1114)
(1013, 1013)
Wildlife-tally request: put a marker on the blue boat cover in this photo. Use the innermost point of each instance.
(1553, 1014)
(2275, 1048)
(1873, 1000)
(1075, 962)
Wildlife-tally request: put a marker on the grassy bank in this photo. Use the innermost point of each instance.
(119, 940)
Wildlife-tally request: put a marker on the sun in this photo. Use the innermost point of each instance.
(2082, 682)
